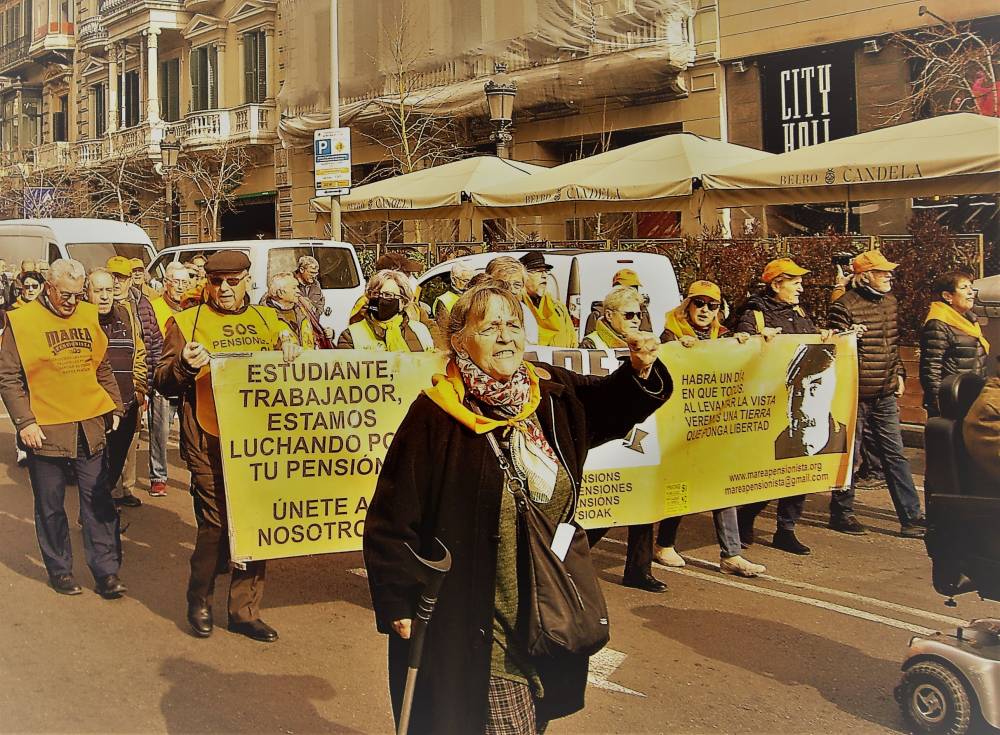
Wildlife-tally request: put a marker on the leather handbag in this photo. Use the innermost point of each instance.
(565, 610)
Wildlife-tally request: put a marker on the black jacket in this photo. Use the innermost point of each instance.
(442, 480)
(945, 351)
(791, 319)
(879, 364)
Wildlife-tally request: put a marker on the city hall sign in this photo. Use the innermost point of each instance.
(808, 97)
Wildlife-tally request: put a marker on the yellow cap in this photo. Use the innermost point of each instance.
(782, 267)
(626, 277)
(137, 264)
(120, 265)
(872, 260)
(705, 288)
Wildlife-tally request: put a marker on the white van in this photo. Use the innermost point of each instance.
(90, 241)
(339, 269)
(581, 279)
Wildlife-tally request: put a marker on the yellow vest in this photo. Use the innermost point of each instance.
(448, 299)
(256, 329)
(599, 344)
(364, 337)
(163, 312)
(60, 357)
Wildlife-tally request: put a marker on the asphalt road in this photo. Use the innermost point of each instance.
(814, 647)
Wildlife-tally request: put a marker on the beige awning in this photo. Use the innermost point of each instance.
(653, 175)
(438, 192)
(952, 154)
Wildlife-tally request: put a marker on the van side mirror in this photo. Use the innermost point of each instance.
(327, 311)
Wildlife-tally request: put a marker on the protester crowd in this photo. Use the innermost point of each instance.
(87, 358)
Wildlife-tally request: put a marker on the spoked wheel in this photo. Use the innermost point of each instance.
(934, 700)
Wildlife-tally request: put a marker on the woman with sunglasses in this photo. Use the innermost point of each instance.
(622, 316)
(697, 319)
(383, 324)
(31, 286)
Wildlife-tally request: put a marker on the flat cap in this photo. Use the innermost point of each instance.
(227, 261)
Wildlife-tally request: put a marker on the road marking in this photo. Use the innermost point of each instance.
(603, 664)
(874, 602)
(822, 604)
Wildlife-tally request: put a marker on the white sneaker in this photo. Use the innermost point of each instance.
(741, 567)
(667, 556)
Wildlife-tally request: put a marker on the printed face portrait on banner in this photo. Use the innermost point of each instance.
(812, 387)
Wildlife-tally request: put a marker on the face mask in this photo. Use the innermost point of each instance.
(383, 310)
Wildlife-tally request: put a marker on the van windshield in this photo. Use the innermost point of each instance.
(16, 248)
(96, 254)
(336, 266)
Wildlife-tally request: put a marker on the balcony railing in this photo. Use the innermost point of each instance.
(116, 7)
(92, 32)
(91, 152)
(53, 155)
(14, 53)
(251, 123)
(130, 141)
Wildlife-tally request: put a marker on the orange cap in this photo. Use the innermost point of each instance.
(872, 260)
(626, 277)
(120, 265)
(782, 267)
(705, 288)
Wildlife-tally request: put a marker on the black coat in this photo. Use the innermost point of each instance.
(442, 480)
(791, 319)
(946, 351)
(879, 364)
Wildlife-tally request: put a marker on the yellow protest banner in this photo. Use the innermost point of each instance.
(303, 443)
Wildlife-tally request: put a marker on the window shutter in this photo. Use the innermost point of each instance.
(196, 88)
(213, 77)
(261, 66)
(248, 68)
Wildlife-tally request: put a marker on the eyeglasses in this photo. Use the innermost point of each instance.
(32, 286)
(630, 315)
(67, 297)
(387, 295)
(706, 304)
(233, 281)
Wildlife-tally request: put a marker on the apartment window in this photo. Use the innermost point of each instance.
(205, 77)
(99, 105)
(170, 91)
(7, 128)
(60, 120)
(129, 101)
(31, 120)
(255, 66)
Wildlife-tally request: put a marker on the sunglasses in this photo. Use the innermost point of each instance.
(233, 281)
(32, 286)
(705, 303)
(629, 315)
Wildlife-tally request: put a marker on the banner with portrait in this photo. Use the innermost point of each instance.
(303, 443)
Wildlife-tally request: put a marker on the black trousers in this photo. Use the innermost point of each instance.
(638, 552)
(119, 442)
(98, 516)
(211, 555)
(789, 511)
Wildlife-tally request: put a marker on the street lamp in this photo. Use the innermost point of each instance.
(170, 148)
(924, 10)
(500, 92)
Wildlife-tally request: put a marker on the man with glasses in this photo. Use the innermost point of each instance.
(176, 282)
(307, 274)
(871, 308)
(61, 394)
(224, 322)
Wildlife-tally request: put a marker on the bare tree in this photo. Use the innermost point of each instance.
(27, 190)
(125, 188)
(954, 70)
(215, 174)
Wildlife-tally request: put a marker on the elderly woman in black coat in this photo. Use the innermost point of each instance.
(442, 478)
(951, 340)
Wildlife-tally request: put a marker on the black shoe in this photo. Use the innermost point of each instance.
(64, 584)
(200, 618)
(646, 582)
(912, 530)
(256, 629)
(129, 501)
(746, 529)
(110, 587)
(848, 524)
(786, 541)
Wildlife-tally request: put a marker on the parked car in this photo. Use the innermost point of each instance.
(339, 269)
(581, 278)
(90, 241)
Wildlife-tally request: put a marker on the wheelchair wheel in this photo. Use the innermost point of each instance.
(934, 700)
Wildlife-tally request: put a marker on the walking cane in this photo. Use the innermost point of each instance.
(432, 574)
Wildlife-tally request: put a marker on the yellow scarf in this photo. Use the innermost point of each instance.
(609, 336)
(678, 323)
(555, 327)
(944, 313)
(448, 392)
(394, 340)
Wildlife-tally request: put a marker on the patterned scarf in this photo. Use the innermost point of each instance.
(530, 451)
